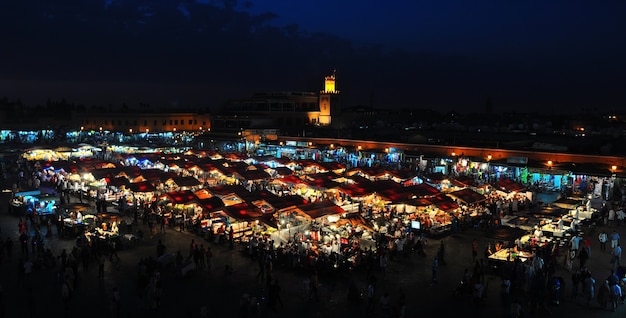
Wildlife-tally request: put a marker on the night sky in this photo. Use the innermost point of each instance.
(526, 56)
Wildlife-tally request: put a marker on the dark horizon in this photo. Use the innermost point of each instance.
(205, 54)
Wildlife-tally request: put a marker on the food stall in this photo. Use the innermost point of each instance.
(34, 202)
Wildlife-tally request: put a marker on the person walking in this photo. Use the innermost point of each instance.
(587, 245)
(603, 238)
(616, 295)
(583, 256)
(371, 302)
(160, 249)
(590, 287)
(209, 257)
(617, 257)
(113, 248)
(576, 278)
(604, 294)
(474, 250)
(114, 302)
(435, 267)
(614, 239)
(488, 250)
(101, 261)
(441, 253)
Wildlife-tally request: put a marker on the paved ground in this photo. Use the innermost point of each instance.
(221, 293)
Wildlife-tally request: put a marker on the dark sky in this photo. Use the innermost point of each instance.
(550, 56)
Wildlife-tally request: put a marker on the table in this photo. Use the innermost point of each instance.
(503, 255)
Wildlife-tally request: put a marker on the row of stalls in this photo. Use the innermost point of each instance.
(287, 200)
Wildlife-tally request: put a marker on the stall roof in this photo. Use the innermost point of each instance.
(444, 202)
(108, 173)
(235, 156)
(333, 165)
(382, 185)
(130, 171)
(143, 186)
(306, 163)
(329, 175)
(227, 189)
(403, 174)
(322, 183)
(399, 194)
(359, 179)
(369, 171)
(253, 175)
(157, 175)
(256, 195)
(464, 181)
(321, 208)
(117, 182)
(203, 194)
(424, 189)
(211, 204)
(243, 212)
(509, 185)
(419, 202)
(283, 202)
(355, 219)
(354, 190)
(468, 196)
(188, 181)
(283, 161)
(290, 179)
(181, 197)
(436, 177)
(283, 171)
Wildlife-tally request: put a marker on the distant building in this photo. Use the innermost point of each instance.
(287, 111)
(141, 121)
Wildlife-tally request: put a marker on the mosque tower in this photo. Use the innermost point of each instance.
(328, 98)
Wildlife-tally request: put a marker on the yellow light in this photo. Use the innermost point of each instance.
(332, 146)
(488, 157)
(359, 147)
(386, 149)
(453, 154)
(549, 162)
(613, 168)
(310, 143)
(147, 130)
(130, 130)
(174, 128)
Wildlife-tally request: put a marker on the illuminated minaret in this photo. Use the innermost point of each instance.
(328, 95)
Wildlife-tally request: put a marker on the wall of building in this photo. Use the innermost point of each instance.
(140, 122)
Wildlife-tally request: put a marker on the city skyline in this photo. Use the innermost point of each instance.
(555, 57)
